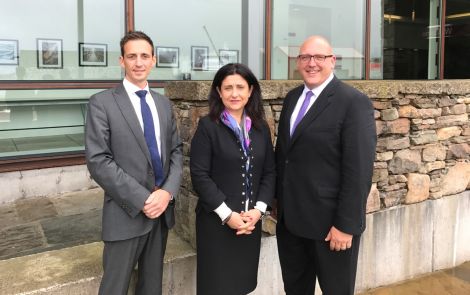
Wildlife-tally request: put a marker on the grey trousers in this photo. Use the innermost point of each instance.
(121, 257)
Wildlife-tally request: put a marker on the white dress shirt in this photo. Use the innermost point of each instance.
(135, 100)
(316, 93)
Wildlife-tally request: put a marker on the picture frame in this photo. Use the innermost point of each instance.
(199, 58)
(227, 56)
(9, 54)
(92, 55)
(167, 57)
(50, 53)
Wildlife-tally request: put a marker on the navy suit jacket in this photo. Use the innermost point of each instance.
(324, 171)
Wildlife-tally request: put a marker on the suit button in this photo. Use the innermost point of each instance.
(287, 162)
(150, 172)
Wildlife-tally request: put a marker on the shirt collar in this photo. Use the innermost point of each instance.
(132, 88)
(318, 90)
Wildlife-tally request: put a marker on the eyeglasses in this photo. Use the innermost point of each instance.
(305, 58)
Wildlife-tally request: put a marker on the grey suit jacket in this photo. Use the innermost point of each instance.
(119, 161)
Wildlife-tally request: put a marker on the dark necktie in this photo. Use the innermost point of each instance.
(302, 110)
(149, 134)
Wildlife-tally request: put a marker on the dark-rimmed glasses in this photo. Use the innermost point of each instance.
(305, 58)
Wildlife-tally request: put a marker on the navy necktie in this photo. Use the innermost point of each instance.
(149, 134)
(302, 110)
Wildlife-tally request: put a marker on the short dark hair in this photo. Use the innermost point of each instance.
(135, 35)
(254, 107)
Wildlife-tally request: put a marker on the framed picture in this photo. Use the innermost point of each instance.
(199, 56)
(167, 57)
(228, 56)
(92, 55)
(8, 52)
(50, 54)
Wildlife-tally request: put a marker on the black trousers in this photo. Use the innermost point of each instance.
(304, 259)
(121, 257)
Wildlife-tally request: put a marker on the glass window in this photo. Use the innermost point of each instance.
(60, 40)
(193, 43)
(405, 39)
(457, 43)
(341, 22)
(34, 122)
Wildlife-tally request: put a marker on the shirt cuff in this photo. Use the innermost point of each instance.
(223, 211)
(261, 206)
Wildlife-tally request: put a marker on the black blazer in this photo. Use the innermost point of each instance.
(217, 165)
(325, 170)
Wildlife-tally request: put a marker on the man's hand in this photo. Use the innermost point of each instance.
(156, 203)
(338, 239)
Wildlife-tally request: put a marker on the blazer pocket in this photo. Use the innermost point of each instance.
(328, 192)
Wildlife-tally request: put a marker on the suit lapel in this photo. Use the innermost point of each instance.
(128, 112)
(289, 110)
(163, 120)
(315, 110)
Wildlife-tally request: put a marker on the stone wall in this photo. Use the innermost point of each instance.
(419, 205)
(423, 138)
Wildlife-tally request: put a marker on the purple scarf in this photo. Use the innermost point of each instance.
(245, 127)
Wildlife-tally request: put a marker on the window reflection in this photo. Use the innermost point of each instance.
(405, 39)
(457, 40)
(205, 35)
(342, 22)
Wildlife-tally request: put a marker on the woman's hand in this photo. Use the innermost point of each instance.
(240, 224)
(252, 217)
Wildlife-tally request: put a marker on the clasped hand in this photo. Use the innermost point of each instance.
(156, 203)
(244, 222)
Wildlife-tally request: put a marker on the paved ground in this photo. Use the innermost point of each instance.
(454, 281)
(42, 224)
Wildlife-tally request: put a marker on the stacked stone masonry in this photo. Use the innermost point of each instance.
(423, 132)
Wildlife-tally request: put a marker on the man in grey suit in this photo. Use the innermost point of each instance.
(134, 153)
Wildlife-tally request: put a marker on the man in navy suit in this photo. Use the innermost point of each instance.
(134, 153)
(324, 154)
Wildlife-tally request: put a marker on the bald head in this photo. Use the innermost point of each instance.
(316, 61)
(317, 41)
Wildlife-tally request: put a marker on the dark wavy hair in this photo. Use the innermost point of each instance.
(253, 108)
(135, 35)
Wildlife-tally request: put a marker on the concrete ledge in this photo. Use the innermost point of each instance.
(44, 182)
(407, 241)
(399, 243)
(77, 270)
(53, 272)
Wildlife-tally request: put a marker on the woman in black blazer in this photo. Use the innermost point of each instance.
(233, 173)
